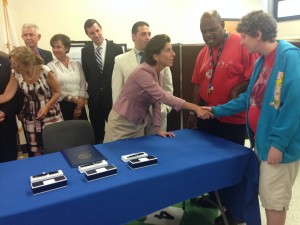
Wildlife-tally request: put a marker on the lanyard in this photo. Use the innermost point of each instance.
(214, 63)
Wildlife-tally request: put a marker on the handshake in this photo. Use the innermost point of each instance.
(204, 112)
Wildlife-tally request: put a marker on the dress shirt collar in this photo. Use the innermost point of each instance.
(137, 54)
(103, 45)
(55, 60)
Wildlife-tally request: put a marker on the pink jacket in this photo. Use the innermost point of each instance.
(141, 90)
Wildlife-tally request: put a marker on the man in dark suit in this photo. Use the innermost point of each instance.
(8, 111)
(98, 77)
(31, 37)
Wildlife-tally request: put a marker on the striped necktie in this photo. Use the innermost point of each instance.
(142, 57)
(99, 58)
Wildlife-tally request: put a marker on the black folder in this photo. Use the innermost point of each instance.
(81, 155)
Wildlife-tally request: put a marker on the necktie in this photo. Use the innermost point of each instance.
(99, 58)
(142, 59)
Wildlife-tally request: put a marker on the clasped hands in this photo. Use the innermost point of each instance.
(204, 112)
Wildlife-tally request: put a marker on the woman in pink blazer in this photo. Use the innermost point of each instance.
(143, 88)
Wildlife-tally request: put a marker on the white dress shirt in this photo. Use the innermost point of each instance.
(71, 79)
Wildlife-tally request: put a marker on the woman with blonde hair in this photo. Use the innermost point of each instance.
(41, 92)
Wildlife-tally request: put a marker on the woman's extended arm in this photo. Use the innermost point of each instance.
(54, 85)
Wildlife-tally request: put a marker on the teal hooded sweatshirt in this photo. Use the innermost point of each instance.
(279, 120)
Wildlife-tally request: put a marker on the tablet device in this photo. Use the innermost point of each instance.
(83, 154)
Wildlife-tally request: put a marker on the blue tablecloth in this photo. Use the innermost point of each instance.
(190, 164)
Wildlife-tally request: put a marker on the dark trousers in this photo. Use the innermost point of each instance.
(67, 110)
(98, 118)
(8, 145)
(232, 132)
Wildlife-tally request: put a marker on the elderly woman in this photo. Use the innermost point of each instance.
(41, 91)
(143, 88)
(71, 78)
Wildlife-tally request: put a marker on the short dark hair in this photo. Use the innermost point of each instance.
(213, 14)
(135, 27)
(154, 46)
(258, 20)
(89, 23)
(64, 39)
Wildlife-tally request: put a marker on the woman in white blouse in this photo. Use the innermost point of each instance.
(70, 77)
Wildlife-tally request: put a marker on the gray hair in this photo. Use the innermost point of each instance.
(258, 20)
(31, 25)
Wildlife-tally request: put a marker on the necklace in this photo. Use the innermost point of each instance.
(32, 76)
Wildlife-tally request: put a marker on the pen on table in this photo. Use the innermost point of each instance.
(135, 155)
(45, 174)
(88, 164)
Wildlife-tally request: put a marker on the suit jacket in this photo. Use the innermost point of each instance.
(141, 90)
(99, 84)
(12, 107)
(46, 55)
(125, 64)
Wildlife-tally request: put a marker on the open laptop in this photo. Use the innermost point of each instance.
(81, 155)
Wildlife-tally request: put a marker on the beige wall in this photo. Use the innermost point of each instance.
(289, 30)
(177, 18)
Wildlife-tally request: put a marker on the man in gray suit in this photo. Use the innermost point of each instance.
(98, 79)
(31, 37)
(126, 63)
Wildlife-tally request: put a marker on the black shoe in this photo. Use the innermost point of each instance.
(219, 220)
(206, 202)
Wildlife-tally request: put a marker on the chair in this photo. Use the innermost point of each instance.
(67, 134)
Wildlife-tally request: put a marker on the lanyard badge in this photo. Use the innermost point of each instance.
(210, 87)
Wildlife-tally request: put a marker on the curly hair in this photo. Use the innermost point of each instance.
(26, 56)
(154, 46)
(258, 21)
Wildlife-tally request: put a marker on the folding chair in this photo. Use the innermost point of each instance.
(67, 134)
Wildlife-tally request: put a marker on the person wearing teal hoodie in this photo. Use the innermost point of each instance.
(273, 111)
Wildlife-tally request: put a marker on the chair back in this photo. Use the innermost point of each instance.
(67, 134)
